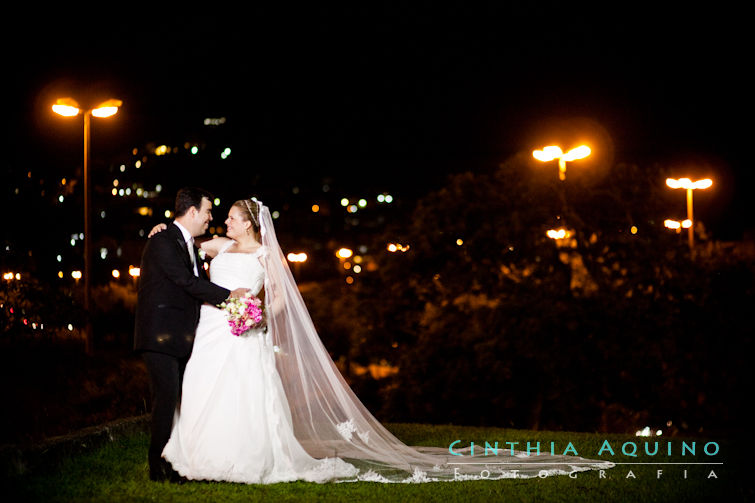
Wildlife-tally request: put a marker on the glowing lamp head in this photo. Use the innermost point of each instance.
(681, 183)
(344, 253)
(577, 153)
(548, 153)
(686, 183)
(703, 184)
(67, 107)
(553, 152)
(558, 233)
(104, 111)
(297, 257)
(107, 109)
(676, 225)
(554, 234)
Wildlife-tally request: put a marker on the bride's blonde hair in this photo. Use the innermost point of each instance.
(251, 212)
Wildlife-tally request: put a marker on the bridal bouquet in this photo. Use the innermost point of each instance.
(243, 313)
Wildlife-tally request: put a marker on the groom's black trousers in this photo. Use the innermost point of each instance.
(165, 375)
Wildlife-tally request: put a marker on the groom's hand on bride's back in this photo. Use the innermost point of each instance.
(239, 292)
(157, 228)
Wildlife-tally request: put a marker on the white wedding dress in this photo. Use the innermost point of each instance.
(234, 423)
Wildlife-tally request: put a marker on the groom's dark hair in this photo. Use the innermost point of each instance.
(188, 197)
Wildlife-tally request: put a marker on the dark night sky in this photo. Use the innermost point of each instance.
(435, 86)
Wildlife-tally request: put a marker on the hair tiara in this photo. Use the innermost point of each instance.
(251, 213)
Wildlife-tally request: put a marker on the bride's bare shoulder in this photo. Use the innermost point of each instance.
(213, 246)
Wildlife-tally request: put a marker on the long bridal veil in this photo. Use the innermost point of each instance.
(330, 421)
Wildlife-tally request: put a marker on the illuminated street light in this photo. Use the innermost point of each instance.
(689, 186)
(563, 237)
(556, 234)
(107, 109)
(552, 152)
(344, 253)
(297, 259)
(677, 225)
(396, 247)
(686, 183)
(68, 107)
(134, 272)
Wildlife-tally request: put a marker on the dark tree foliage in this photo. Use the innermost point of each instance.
(612, 329)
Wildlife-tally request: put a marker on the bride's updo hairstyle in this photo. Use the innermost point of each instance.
(251, 212)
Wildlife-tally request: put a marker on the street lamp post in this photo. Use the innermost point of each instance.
(689, 185)
(68, 107)
(343, 255)
(676, 225)
(297, 259)
(552, 152)
(134, 272)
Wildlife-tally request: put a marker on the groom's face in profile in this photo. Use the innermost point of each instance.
(202, 218)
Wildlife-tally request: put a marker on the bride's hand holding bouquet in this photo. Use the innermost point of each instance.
(244, 313)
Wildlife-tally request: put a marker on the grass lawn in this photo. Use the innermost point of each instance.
(118, 472)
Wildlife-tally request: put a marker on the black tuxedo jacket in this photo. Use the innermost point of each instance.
(167, 309)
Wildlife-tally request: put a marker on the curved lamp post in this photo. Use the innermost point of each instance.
(68, 107)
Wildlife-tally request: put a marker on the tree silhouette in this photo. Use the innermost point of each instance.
(492, 322)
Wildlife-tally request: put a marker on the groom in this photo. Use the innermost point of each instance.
(172, 286)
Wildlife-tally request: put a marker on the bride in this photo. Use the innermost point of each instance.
(270, 405)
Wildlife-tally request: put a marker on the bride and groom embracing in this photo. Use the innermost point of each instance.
(268, 405)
